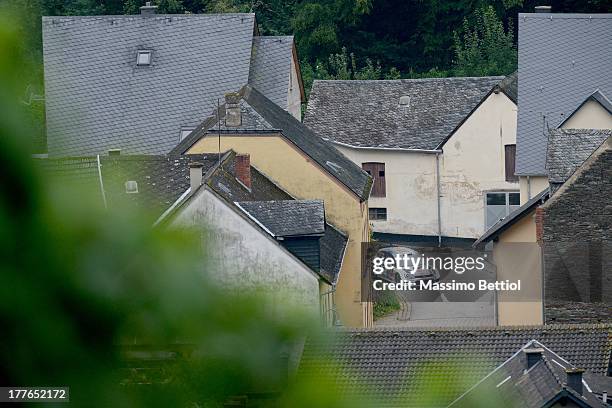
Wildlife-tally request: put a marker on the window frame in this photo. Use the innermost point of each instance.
(142, 52)
(377, 218)
(379, 183)
(510, 178)
(507, 203)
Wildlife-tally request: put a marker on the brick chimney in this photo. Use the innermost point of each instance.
(233, 116)
(533, 356)
(574, 379)
(195, 175)
(148, 9)
(242, 168)
(539, 221)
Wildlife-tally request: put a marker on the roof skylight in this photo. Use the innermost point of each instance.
(143, 57)
(131, 187)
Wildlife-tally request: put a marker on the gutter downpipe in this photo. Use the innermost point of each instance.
(438, 198)
(528, 188)
(101, 182)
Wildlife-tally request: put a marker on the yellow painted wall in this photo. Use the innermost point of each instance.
(301, 177)
(591, 115)
(518, 256)
(531, 186)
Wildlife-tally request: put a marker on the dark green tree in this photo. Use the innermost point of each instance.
(484, 47)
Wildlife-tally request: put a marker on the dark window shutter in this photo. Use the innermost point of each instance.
(377, 171)
(510, 157)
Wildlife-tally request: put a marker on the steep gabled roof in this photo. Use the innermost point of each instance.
(369, 113)
(271, 67)
(596, 96)
(288, 218)
(569, 148)
(514, 384)
(500, 226)
(322, 152)
(561, 59)
(406, 367)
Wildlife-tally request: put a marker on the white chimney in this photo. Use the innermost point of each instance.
(195, 175)
(148, 9)
(233, 116)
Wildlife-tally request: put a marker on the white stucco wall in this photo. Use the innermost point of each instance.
(294, 96)
(243, 259)
(472, 163)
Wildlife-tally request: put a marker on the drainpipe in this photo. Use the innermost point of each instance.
(528, 188)
(438, 198)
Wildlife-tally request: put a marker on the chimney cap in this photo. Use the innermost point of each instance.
(543, 9)
(148, 9)
(534, 351)
(574, 370)
(196, 165)
(232, 97)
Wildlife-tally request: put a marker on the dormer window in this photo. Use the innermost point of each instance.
(143, 58)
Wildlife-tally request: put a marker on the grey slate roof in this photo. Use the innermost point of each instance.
(271, 67)
(500, 226)
(569, 148)
(562, 59)
(321, 151)
(410, 363)
(288, 218)
(512, 384)
(368, 113)
(98, 99)
(161, 179)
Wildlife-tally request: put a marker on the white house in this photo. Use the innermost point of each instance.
(441, 151)
(256, 237)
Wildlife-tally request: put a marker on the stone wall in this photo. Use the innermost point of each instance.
(574, 228)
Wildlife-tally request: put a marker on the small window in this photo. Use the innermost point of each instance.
(377, 171)
(185, 132)
(510, 162)
(499, 205)
(131, 187)
(143, 57)
(377, 214)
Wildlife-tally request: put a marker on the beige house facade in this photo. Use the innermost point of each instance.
(454, 186)
(285, 154)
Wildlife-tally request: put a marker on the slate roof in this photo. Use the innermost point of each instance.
(569, 148)
(562, 58)
(321, 151)
(98, 99)
(441, 364)
(513, 384)
(271, 67)
(161, 179)
(333, 242)
(288, 218)
(500, 226)
(368, 113)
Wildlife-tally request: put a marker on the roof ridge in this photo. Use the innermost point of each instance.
(492, 77)
(551, 327)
